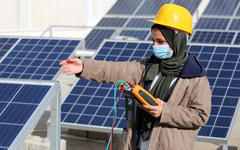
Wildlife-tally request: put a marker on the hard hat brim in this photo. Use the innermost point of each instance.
(157, 22)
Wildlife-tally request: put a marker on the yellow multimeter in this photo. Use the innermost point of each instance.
(144, 96)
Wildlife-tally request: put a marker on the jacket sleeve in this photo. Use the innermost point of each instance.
(193, 116)
(110, 72)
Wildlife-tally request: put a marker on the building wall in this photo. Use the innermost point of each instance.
(44, 13)
(8, 14)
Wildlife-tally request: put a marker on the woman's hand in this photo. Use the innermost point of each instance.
(72, 66)
(155, 111)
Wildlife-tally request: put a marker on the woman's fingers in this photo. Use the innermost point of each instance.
(66, 68)
(69, 61)
(155, 111)
(73, 60)
(63, 62)
(71, 66)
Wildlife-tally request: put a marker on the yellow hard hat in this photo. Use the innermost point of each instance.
(174, 16)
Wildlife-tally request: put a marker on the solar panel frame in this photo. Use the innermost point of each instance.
(52, 93)
(53, 60)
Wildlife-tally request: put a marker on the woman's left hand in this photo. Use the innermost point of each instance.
(155, 111)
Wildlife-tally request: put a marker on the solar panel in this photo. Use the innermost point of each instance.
(21, 105)
(212, 37)
(139, 34)
(191, 5)
(36, 58)
(212, 23)
(237, 40)
(223, 71)
(140, 23)
(89, 104)
(129, 7)
(151, 7)
(96, 36)
(112, 22)
(6, 44)
(223, 7)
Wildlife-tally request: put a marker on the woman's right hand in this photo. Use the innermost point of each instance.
(71, 66)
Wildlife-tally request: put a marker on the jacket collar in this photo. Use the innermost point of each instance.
(192, 68)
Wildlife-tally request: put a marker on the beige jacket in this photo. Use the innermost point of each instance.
(187, 109)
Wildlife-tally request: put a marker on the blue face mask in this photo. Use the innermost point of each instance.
(162, 52)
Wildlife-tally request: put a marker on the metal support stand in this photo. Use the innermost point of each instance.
(225, 147)
(54, 127)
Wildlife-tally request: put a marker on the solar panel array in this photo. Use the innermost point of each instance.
(89, 105)
(218, 23)
(148, 7)
(36, 58)
(21, 105)
(130, 14)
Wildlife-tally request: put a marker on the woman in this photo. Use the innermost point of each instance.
(171, 75)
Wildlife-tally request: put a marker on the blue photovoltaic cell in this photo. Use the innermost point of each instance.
(235, 24)
(237, 40)
(212, 37)
(36, 58)
(140, 23)
(151, 7)
(223, 70)
(124, 7)
(212, 23)
(238, 12)
(112, 22)
(91, 103)
(191, 5)
(6, 44)
(96, 36)
(17, 104)
(139, 34)
(149, 37)
(223, 7)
